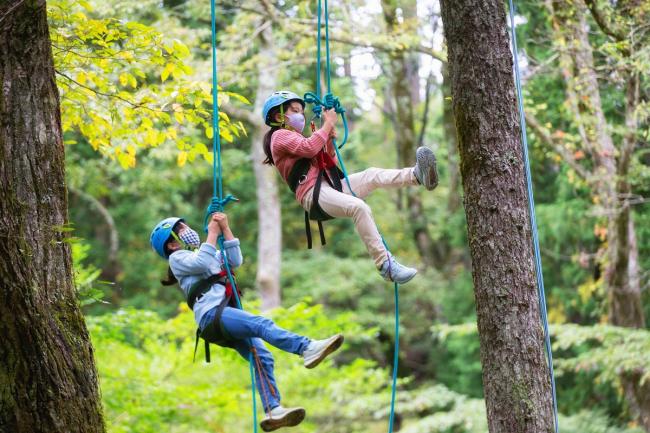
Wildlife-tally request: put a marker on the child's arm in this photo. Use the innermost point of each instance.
(231, 243)
(306, 147)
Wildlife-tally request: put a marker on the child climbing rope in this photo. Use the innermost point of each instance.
(192, 265)
(304, 162)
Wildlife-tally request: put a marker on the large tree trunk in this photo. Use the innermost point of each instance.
(515, 374)
(405, 135)
(48, 381)
(269, 238)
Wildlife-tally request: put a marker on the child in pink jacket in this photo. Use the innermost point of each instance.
(301, 160)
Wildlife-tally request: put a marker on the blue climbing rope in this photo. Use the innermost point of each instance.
(533, 220)
(218, 201)
(329, 101)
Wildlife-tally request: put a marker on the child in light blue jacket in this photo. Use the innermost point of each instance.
(192, 264)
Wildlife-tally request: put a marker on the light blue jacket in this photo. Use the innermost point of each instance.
(191, 266)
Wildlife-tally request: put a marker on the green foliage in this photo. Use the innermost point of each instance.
(85, 275)
(589, 362)
(609, 351)
(149, 382)
(125, 86)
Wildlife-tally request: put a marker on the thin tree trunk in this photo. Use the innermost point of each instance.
(48, 381)
(515, 373)
(609, 183)
(269, 239)
(406, 137)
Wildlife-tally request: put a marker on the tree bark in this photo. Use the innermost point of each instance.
(48, 381)
(405, 136)
(515, 374)
(449, 129)
(269, 239)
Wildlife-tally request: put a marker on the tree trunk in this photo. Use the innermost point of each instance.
(515, 374)
(609, 182)
(406, 137)
(48, 381)
(269, 239)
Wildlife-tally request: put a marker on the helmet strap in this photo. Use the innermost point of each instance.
(179, 240)
(282, 124)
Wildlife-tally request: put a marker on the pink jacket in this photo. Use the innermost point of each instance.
(289, 146)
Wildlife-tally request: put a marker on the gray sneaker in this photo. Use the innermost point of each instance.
(282, 417)
(391, 270)
(318, 350)
(425, 168)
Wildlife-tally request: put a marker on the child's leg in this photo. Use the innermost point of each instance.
(242, 325)
(339, 205)
(363, 183)
(265, 379)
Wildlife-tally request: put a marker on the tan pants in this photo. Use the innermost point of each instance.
(344, 204)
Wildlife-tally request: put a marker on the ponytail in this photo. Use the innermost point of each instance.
(171, 278)
(267, 145)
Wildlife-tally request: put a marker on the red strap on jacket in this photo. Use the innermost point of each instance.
(227, 284)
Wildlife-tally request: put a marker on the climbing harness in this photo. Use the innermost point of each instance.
(533, 220)
(329, 101)
(214, 332)
(327, 170)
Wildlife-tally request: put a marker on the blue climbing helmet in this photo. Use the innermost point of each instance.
(161, 233)
(276, 99)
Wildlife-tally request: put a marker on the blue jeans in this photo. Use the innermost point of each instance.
(242, 325)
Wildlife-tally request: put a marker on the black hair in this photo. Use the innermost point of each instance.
(171, 278)
(267, 137)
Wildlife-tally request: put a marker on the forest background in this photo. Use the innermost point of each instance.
(134, 79)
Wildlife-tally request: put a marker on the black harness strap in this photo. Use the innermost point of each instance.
(201, 287)
(214, 332)
(333, 177)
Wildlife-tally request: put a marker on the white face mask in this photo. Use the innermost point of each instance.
(296, 121)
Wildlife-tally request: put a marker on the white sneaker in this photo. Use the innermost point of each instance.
(425, 168)
(391, 270)
(318, 350)
(282, 417)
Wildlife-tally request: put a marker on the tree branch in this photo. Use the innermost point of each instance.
(270, 14)
(108, 95)
(114, 243)
(557, 146)
(604, 21)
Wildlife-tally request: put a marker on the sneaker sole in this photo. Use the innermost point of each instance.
(291, 419)
(332, 347)
(407, 280)
(426, 158)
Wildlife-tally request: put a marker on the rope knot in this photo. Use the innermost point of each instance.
(216, 205)
(332, 101)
